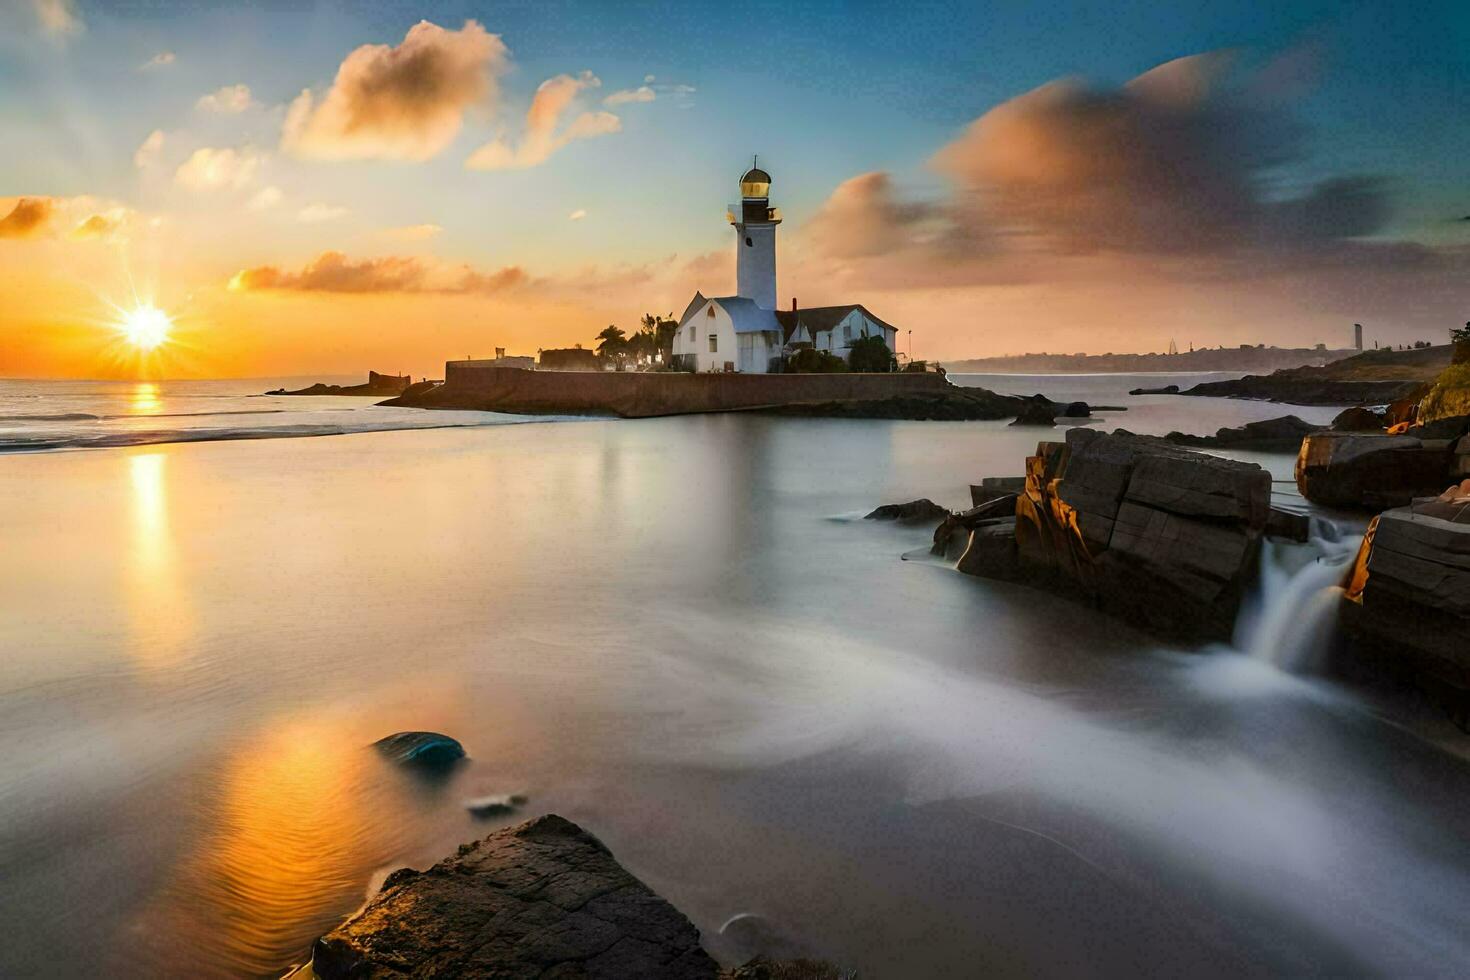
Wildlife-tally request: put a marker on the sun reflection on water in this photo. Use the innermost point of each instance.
(144, 399)
(158, 601)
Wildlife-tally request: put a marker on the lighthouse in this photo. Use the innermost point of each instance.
(755, 221)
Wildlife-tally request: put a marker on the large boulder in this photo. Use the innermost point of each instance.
(1376, 471)
(1283, 434)
(1037, 411)
(1410, 593)
(1359, 419)
(540, 900)
(1162, 536)
(424, 749)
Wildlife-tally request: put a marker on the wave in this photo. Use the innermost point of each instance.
(117, 440)
(190, 415)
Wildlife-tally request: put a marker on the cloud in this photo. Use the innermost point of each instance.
(412, 233)
(578, 214)
(317, 213)
(147, 153)
(99, 226)
(210, 168)
(333, 272)
(58, 18)
(28, 218)
(230, 100)
(161, 60)
(541, 138)
(1178, 166)
(640, 94)
(266, 198)
(399, 103)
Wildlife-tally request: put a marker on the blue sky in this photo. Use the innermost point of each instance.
(824, 92)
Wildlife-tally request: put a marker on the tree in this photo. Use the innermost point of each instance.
(871, 355)
(612, 342)
(810, 361)
(1461, 339)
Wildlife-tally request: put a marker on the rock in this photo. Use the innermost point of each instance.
(1409, 595)
(761, 968)
(377, 384)
(1159, 535)
(1342, 469)
(992, 487)
(426, 749)
(1166, 390)
(918, 511)
(1037, 411)
(1076, 410)
(1372, 377)
(990, 551)
(495, 806)
(1283, 434)
(542, 899)
(1358, 419)
(1288, 524)
(954, 529)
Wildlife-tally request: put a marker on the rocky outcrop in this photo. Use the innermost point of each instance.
(1372, 377)
(1283, 434)
(544, 899)
(1166, 390)
(960, 405)
(1358, 419)
(1037, 411)
(992, 487)
(1410, 592)
(1378, 471)
(921, 511)
(1159, 535)
(377, 384)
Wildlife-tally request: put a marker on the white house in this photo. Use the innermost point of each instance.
(744, 332)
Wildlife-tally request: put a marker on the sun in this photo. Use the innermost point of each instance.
(145, 327)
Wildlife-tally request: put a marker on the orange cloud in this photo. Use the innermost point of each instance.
(333, 272)
(209, 168)
(97, 226)
(28, 218)
(399, 103)
(554, 98)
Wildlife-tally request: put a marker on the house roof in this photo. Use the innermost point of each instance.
(747, 316)
(694, 305)
(819, 318)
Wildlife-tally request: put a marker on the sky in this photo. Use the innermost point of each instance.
(323, 188)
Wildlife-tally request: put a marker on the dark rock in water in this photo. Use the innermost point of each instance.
(1283, 434)
(1409, 598)
(953, 531)
(1076, 410)
(377, 384)
(749, 936)
(918, 511)
(1161, 536)
(1038, 411)
(542, 899)
(761, 968)
(428, 749)
(1288, 524)
(992, 487)
(1358, 419)
(495, 806)
(1166, 390)
(991, 551)
(1376, 471)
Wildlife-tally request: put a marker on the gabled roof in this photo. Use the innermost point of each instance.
(819, 318)
(694, 305)
(747, 316)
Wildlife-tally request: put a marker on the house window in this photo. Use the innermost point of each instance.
(709, 311)
(714, 343)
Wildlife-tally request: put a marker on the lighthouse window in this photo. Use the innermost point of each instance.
(714, 343)
(748, 241)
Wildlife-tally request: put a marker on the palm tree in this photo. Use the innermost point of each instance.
(613, 340)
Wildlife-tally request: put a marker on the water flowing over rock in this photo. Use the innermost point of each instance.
(544, 899)
(1162, 536)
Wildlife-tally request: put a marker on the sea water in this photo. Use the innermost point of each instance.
(681, 634)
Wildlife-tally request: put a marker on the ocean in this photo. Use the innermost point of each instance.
(681, 634)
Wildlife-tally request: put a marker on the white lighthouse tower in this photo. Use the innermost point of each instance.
(755, 224)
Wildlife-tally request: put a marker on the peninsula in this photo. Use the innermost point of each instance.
(1243, 358)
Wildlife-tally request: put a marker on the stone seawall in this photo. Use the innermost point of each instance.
(638, 395)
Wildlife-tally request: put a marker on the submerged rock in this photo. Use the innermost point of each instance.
(495, 806)
(918, 511)
(428, 749)
(541, 899)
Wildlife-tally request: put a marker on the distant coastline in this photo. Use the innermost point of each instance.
(1203, 361)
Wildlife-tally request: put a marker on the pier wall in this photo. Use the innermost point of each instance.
(641, 395)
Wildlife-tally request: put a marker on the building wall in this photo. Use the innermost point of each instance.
(755, 264)
(641, 395)
(702, 324)
(839, 339)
